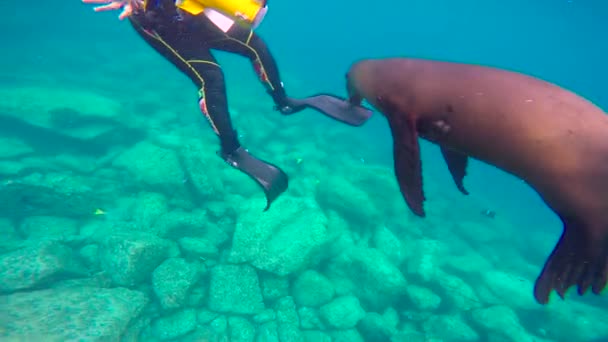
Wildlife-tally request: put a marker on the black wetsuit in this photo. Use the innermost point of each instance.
(187, 40)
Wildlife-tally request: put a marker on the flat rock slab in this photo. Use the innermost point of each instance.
(38, 265)
(72, 314)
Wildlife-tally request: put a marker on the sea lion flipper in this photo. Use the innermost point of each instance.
(406, 155)
(578, 259)
(457, 164)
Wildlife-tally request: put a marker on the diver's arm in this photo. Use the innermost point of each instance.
(127, 6)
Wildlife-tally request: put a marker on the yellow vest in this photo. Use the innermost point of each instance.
(243, 10)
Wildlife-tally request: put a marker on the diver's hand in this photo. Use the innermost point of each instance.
(127, 6)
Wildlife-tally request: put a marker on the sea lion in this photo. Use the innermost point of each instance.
(551, 138)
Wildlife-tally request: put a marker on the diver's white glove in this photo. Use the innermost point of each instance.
(127, 6)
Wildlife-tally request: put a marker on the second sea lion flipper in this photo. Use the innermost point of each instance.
(335, 107)
(406, 155)
(457, 164)
(579, 258)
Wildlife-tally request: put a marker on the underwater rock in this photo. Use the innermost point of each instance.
(216, 331)
(350, 335)
(457, 292)
(304, 171)
(422, 298)
(135, 329)
(198, 248)
(374, 279)
(175, 325)
(154, 166)
(274, 287)
(265, 316)
(173, 280)
(268, 332)
(315, 336)
(13, 147)
(241, 330)
(205, 316)
(129, 259)
(176, 224)
(10, 239)
(67, 124)
(340, 236)
(43, 108)
(237, 188)
(283, 240)
(49, 142)
(385, 241)
(48, 227)
(219, 326)
(567, 321)
(312, 289)
(449, 328)
(501, 321)
(414, 316)
(146, 210)
(198, 294)
(97, 230)
(288, 322)
(196, 157)
(79, 164)
(468, 263)
(391, 317)
(51, 194)
(342, 313)
(38, 264)
(196, 224)
(70, 314)
(426, 258)
(411, 335)
(11, 169)
(220, 209)
(309, 318)
(235, 289)
(511, 289)
(352, 203)
(98, 279)
(385, 194)
(374, 327)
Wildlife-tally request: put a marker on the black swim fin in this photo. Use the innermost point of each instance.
(335, 107)
(270, 177)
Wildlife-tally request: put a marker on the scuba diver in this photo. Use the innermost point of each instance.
(185, 32)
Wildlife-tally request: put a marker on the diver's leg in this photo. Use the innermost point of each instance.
(214, 104)
(245, 42)
(268, 71)
(200, 66)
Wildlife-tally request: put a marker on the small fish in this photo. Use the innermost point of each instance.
(488, 213)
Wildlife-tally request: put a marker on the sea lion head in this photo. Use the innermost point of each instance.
(360, 81)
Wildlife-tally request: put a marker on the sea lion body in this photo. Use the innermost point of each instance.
(550, 137)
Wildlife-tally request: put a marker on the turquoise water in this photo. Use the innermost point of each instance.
(119, 222)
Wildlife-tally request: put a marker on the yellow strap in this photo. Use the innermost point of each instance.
(191, 6)
(241, 10)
